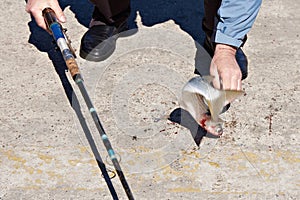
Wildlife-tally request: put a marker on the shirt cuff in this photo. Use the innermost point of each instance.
(225, 39)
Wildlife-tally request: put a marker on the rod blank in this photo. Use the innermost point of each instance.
(57, 32)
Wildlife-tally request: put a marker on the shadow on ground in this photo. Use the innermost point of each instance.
(187, 14)
(182, 117)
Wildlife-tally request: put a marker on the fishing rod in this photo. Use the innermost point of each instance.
(68, 54)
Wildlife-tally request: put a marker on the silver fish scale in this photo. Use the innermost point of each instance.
(199, 97)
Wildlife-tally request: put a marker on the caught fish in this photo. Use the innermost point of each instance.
(205, 103)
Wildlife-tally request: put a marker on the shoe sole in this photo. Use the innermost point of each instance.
(101, 57)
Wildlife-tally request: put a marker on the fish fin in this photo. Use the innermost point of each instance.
(220, 120)
(231, 95)
(228, 96)
(208, 78)
(215, 110)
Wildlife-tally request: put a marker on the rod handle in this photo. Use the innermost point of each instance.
(49, 17)
(73, 67)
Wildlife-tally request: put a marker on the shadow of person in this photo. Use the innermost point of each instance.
(43, 41)
(187, 14)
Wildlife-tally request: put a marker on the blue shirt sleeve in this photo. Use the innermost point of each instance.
(236, 18)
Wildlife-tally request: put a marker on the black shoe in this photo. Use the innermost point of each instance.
(99, 42)
(240, 57)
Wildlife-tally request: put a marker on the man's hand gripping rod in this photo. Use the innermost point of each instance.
(58, 34)
(56, 30)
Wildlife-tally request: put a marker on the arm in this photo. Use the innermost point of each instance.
(236, 18)
(35, 7)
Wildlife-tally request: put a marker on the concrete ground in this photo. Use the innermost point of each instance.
(45, 153)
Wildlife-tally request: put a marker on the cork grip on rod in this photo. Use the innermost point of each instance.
(73, 67)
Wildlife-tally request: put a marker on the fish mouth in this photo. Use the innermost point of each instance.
(213, 128)
(219, 129)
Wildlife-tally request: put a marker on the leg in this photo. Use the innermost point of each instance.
(210, 16)
(111, 12)
(109, 19)
(209, 23)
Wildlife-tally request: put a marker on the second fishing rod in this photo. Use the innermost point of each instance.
(61, 41)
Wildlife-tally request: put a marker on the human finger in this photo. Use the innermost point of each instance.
(58, 11)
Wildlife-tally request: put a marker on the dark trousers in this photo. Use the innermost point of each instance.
(114, 12)
(210, 16)
(111, 12)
